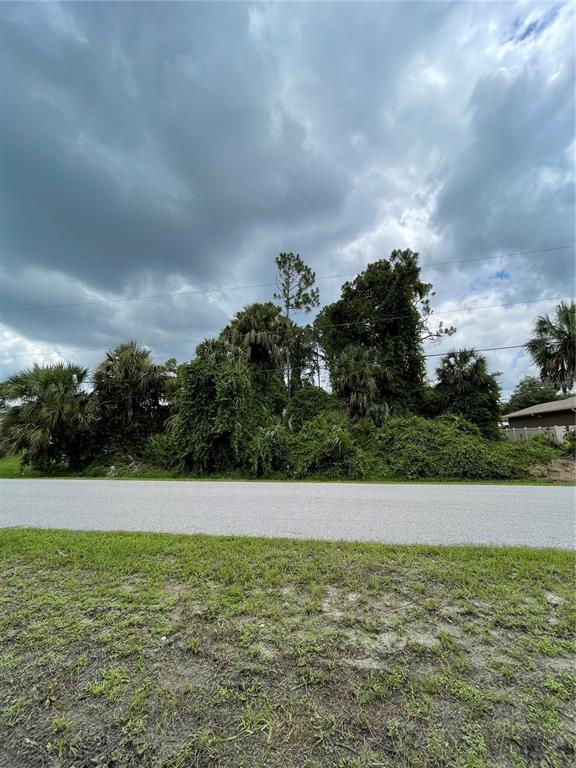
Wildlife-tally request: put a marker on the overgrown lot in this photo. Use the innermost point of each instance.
(156, 650)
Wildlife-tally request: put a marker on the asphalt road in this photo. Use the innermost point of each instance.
(536, 516)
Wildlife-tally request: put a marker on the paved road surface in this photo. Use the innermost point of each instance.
(539, 516)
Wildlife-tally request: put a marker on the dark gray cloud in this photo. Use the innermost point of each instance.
(156, 147)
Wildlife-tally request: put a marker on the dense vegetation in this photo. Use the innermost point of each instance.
(251, 401)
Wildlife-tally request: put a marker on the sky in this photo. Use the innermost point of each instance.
(176, 148)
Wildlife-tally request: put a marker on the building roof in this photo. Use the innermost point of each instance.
(567, 404)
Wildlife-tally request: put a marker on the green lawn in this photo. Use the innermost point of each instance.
(173, 651)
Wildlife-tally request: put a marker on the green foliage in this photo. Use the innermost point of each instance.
(449, 447)
(384, 309)
(258, 333)
(295, 292)
(553, 346)
(49, 416)
(304, 356)
(218, 411)
(308, 402)
(270, 449)
(355, 380)
(569, 444)
(10, 467)
(529, 391)
(246, 403)
(132, 394)
(161, 450)
(465, 388)
(325, 446)
(295, 283)
(519, 457)
(256, 336)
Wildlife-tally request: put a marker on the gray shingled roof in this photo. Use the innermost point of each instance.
(558, 405)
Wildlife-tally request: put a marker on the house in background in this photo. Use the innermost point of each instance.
(553, 419)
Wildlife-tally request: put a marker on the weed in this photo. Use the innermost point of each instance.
(292, 653)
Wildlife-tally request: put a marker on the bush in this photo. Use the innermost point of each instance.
(569, 444)
(308, 402)
(160, 451)
(527, 453)
(269, 449)
(324, 446)
(449, 447)
(218, 413)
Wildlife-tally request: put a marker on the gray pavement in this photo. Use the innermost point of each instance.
(536, 516)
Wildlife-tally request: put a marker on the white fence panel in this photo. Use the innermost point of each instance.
(516, 434)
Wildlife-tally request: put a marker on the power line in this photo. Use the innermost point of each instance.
(332, 325)
(450, 311)
(224, 289)
(339, 364)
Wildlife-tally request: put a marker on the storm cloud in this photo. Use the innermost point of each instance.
(165, 148)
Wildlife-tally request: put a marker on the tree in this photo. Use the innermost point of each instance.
(257, 336)
(258, 332)
(133, 394)
(466, 388)
(303, 355)
(306, 403)
(48, 415)
(529, 391)
(355, 380)
(218, 413)
(295, 283)
(553, 346)
(386, 309)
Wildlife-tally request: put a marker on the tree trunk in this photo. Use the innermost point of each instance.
(288, 372)
(288, 377)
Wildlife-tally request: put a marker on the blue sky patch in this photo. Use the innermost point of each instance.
(524, 31)
(501, 274)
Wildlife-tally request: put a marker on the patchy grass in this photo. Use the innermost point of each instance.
(172, 651)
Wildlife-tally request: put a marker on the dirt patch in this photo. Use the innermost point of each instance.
(185, 675)
(358, 656)
(329, 605)
(561, 470)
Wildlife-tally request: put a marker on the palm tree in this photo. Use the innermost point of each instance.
(259, 332)
(462, 369)
(48, 414)
(132, 392)
(553, 346)
(355, 381)
(466, 387)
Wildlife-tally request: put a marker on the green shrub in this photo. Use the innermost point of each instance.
(269, 449)
(449, 447)
(324, 446)
(569, 444)
(160, 451)
(308, 402)
(526, 454)
(218, 412)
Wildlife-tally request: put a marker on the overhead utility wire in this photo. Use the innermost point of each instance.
(332, 325)
(340, 364)
(224, 289)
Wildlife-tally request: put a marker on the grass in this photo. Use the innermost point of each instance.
(172, 651)
(10, 468)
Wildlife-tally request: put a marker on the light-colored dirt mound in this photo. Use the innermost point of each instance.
(563, 470)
